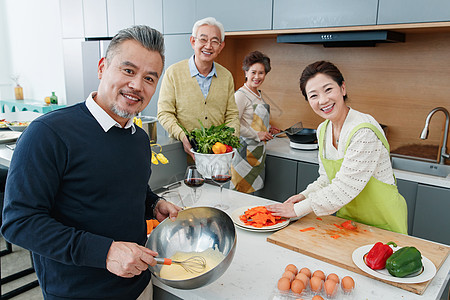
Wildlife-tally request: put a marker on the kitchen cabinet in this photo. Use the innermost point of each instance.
(408, 189)
(149, 12)
(120, 15)
(323, 13)
(178, 16)
(238, 15)
(413, 11)
(178, 48)
(306, 174)
(72, 25)
(431, 220)
(281, 179)
(95, 18)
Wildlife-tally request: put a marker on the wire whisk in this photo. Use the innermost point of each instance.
(194, 264)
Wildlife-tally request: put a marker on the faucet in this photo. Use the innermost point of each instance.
(443, 147)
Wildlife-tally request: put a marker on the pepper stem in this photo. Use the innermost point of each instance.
(392, 243)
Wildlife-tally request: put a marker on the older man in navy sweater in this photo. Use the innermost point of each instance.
(77, 192)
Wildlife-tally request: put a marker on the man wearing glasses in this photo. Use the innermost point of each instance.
(198, 88)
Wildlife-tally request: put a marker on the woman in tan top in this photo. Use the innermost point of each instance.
(254, 114)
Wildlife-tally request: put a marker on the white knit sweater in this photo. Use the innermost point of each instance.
(365, 157)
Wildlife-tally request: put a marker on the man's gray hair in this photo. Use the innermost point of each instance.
(209, 21)
(151, 39)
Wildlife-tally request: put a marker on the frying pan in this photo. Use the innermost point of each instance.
(291, 130)
(305, 136)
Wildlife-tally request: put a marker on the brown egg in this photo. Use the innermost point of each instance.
(291, 268)
(284, 284)
(334, 277)
(297, 286)
(306, 271)
(316, 284)
(348, 284)
(289, 275)
(317, 297)
(320, 274)
(303, 277)
(330, 287)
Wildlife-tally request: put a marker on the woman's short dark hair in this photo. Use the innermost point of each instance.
(256, 57)
(320, 67)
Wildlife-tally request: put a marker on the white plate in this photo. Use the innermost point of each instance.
(240, 211)
(9, 136)
(428, 272)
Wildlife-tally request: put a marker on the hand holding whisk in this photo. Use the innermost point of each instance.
(194, 264)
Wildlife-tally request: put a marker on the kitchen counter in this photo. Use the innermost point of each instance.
(280, 147)
(258, 264)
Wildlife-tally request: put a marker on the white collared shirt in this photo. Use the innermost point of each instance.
(105, 120)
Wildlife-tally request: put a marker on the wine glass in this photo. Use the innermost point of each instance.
(221, 174)
(193, 179)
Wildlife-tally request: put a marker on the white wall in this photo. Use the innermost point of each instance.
(30, 32)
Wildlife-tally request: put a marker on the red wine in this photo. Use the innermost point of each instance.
(221, 179)
(194, 182)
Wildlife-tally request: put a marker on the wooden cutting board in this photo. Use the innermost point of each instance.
(334, 245)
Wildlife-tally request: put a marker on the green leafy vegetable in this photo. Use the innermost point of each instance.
(202, 139)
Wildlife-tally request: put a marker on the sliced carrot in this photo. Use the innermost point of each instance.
(335, 236)
(338, 226)
(349, 224)
(307, 229)
(319, 218)
(259, 217)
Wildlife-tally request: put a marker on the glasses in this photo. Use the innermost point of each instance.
(204, 41)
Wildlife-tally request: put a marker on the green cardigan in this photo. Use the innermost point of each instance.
(181, 100)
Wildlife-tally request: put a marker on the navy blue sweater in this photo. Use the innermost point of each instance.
(72, 190)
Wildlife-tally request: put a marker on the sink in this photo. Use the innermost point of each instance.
(420, 166)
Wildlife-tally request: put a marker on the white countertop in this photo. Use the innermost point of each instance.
(258, 264)
(280, 147)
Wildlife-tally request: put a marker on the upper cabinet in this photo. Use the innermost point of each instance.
(413, 11)
(238, 15)
(95, 18)
(323, 13)
(149, 12)
(120, 15)
(72, 18)
(178, 16)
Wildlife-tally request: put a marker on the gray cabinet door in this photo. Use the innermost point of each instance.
(306, 173)
(323, 13)
(408, 190)
(95, 18)
(238, 15)
(431, 217)
(413, 11)
(178, 16)
(281, 179)
(120, 15)
(72, 25)
(149, 12)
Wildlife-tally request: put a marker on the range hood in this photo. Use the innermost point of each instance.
(343, 39)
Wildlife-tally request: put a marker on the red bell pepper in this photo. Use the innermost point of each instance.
(377, 256)
(229, 148)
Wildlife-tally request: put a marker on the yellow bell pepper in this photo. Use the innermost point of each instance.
(137, 121)
(219, 148)
(154, 160)
(162, 159)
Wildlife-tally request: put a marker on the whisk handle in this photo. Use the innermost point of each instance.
(163, 261)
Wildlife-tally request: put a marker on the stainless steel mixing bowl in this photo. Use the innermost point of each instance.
(195, 229)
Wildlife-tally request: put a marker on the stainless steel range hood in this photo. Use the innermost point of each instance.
(343, 39)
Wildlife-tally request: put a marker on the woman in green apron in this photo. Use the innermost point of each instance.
(254, 113)
(356, 180)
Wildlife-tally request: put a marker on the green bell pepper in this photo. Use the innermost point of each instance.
(404, 262)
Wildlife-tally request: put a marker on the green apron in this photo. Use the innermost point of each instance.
(379, 204)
